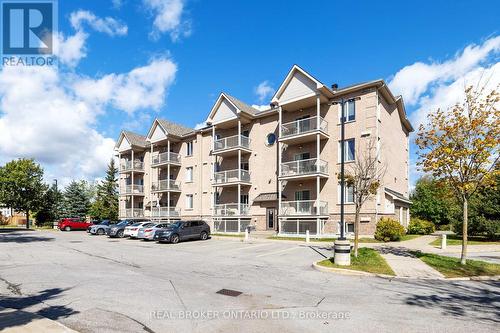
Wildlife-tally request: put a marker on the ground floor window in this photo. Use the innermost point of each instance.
(231, 225)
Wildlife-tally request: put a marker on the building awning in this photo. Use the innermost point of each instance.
(267, 197)
(396, 196)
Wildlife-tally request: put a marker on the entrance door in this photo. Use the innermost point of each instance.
(271, 218)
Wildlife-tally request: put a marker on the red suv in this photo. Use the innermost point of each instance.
(68, 224)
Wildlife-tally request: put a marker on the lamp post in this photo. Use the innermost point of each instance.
(342, 246)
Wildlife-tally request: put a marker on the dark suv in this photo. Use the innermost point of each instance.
(183, 230)
(117, 230)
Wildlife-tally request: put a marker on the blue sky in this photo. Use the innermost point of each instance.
(424, 49)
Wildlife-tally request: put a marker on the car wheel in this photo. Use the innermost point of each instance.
(100, 231)
(174, 239)
(204, 235)
(67, 228)
(120, 233)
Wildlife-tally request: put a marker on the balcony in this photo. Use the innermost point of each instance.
(161, 212)
(165, 159)
(304, 208)
(302, 169)
(231, 209)
(303, 130)
(132, 190)
(132, 213)
(231, 177)
(166, 185)
(128, 166)
(230, 145)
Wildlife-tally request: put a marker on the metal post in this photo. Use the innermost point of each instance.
(342, 165)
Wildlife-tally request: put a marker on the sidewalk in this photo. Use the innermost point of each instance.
(17, 321)
(405, 264)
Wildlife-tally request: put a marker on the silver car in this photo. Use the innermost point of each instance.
(148, 233)
(101, 228)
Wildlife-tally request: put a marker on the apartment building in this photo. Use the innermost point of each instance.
(274, 169)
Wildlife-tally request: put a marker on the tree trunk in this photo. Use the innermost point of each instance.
(463, 258)
(356, 233)
(27, 218)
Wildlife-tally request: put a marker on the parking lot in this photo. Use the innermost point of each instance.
(98, 284)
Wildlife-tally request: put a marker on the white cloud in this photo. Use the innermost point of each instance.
(70, 50)
(261, 107)
(200, 125)
(264, 91)
(107, 25)
(414, 80)
(143, 87)
(168, 18)
(117, 4)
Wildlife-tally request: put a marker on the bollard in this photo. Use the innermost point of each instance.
(443, 241)
(246, 234)
(307, 236)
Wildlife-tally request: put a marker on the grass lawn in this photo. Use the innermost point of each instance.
(457, 240)
(451, 267)
(368, 260)
(228, 235)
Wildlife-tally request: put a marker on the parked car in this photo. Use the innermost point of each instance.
(147, 232)
(93, 223)
(73, 223)
(101, 228)
(132, 230)
(183, 230)
(118, 229)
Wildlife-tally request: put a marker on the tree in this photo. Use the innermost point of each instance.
(461, 145)
(50, 209)
(106, 204)
(432, 201)
(21, 186)
(76, 199)
(364, 176)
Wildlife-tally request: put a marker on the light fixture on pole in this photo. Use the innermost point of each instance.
(342, 247)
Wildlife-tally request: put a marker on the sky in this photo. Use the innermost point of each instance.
(122, 63)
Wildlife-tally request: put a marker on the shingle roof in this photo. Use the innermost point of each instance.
(397, 195)
(135, 139)
(269, 196)
(241, 105)
(174, 128)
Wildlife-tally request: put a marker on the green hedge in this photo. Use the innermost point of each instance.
(420, 227)
(389, 230)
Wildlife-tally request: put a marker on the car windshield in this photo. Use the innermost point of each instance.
(136, 224)
(122, 223)
(175, 225)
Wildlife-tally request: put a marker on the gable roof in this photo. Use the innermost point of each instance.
(174, 128)
(238, 105)
(133, 138)
(396, 195)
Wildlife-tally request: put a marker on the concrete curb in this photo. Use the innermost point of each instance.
(18, 321)
(351, 272)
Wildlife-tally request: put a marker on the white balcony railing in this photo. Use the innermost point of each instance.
(129, 166)
(231, 209)
(166, 185)
(231, 176)
(166, 157)
(304, 167)
(165, 212)
(304, 207)
(132, 212)
(231, 142)
(303, 126)
(132, 189)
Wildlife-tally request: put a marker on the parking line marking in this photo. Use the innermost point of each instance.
(250, 247)
(277, 252)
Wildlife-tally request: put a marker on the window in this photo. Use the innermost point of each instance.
(189, 174)
(348, 194)
(349, 150)
(246, 133)
(302, 156)
(244, 199)
(349, 111)
(189, 201)
(302, 195)
(189, 148)
(244, 166)
(270, 139)
(303, 124)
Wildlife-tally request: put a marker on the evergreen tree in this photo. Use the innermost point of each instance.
(76, 199)
(50, 208)
(106, 204)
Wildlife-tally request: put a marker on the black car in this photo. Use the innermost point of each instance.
(183, 230)
(118, 229)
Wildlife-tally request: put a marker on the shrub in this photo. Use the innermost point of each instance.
(389, 230)
(480, 226)
(421, 227)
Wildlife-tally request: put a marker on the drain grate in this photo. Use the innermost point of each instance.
(229, 292)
